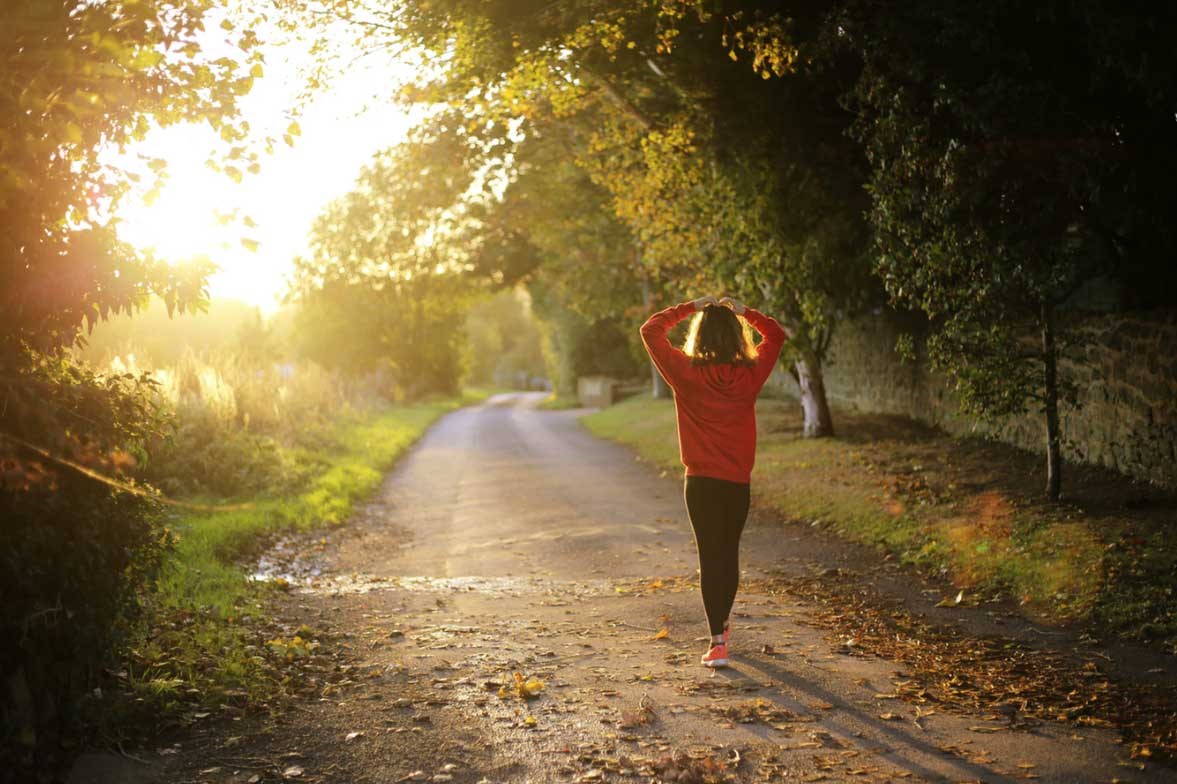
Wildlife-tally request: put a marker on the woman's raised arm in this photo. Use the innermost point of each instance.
(670, 361)
(769, 350)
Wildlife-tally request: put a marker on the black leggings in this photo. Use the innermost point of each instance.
(717, 509)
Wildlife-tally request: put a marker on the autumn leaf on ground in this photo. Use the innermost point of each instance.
(946, 602)
(643, 715)
(661, 634)
(523, 688)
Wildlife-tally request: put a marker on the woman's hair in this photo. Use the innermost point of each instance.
(718, 336)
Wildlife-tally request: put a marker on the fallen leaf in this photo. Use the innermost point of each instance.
(662, 634)
(946, 602)
(523, 688)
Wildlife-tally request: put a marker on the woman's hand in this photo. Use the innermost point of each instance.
(734, 304)
(703, 302)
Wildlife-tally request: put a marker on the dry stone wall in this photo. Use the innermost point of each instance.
(1124, 365)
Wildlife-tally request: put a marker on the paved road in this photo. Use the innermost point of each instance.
(509, 540)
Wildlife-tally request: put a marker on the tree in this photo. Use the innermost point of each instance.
(504, 341)
(674, 131)
(758, 185)
(76, 78)
(586, 288)
(1010, 169)
(385, 287)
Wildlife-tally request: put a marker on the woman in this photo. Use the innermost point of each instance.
(716, 379)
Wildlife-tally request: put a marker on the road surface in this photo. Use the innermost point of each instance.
(510, 540)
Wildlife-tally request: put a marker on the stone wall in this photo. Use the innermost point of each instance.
(1125, 368)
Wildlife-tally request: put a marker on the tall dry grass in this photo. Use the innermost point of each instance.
(241, 424)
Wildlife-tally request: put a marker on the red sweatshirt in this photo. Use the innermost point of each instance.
(715, 404)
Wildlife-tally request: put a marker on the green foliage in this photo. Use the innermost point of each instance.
(708, 174)
(76, 78)
(587, 288)
(77, 559)
(576, 345)
(409, 330)
(503, 341)
(235, 420)
(76, 556)
(203, 642)
(1008, 172)
(384, 289)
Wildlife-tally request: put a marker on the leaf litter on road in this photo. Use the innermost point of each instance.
(1001, 678)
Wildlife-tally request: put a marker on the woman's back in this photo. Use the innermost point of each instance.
(715, 402)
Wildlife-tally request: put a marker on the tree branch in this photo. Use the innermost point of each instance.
(615, 97)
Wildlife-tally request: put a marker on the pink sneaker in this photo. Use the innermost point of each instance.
(717, 656)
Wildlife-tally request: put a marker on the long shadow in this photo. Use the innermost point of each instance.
(896, 736)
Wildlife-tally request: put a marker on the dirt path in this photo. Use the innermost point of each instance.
(509, 540)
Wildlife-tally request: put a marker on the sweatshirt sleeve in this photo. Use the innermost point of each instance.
(773, 339)
(671, 362)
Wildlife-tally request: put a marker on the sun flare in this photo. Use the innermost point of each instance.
(253, 229)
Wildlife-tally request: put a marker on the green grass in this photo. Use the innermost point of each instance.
(648, 425)
(642, 422)
(205, 570)
(205, 637)
(951, 507)
(555, 402)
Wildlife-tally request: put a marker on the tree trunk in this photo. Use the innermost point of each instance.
(816, 409)
(1054, 457)
(660, 389)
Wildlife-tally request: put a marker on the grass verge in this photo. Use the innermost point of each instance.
(555, 402)
(206, 643)
(967, 509)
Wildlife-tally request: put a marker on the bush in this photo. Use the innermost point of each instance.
(75, 559)
(233, 414)
(75, 554)
(81, 559)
